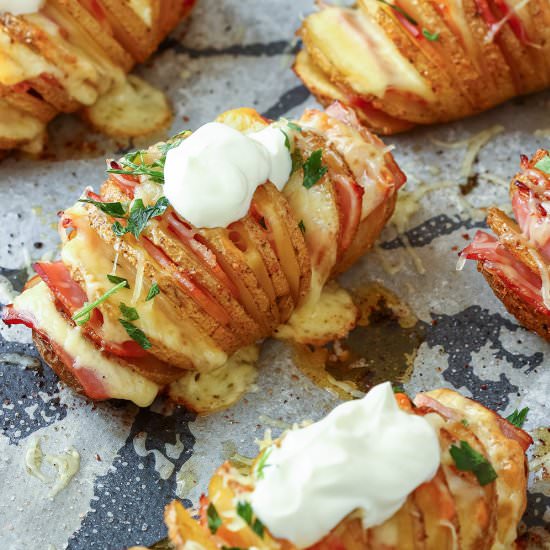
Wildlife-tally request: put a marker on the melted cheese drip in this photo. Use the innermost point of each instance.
(220, 388)
(119, 382)
(18, 126)
(329, 318)
(352, 41)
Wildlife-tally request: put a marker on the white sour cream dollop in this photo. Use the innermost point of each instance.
(211, 176)
(20, 7)
(366, 455)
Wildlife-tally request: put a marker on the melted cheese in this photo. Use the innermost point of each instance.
(329, 318)
(220, 388)
(363, 52)
(18, 126)
(157, 318)
(119, 382)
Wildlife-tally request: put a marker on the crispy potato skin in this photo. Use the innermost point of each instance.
(469, 55)
(452, 510)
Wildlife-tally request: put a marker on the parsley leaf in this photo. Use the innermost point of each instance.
(302, 226)
(400, 10)
(259, 471)
(431, 36)
(464, 422)
(468, 459)
(153, 291)
(82, 316)
(140, 215)
(314, 169)
(517, 418)
(214, 520)
(294, 126)
(114, 209)
(131, 168)
(544, 164)
(115, 280)
(244, 510)
(287, 141)
(129, 313)
(136, 334)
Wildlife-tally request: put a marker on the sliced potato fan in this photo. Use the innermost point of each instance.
(405, 62)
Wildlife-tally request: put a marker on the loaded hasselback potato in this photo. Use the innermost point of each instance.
(399, 63)
(197, 248)
(69, 55)
(381, 473)
(516, 262)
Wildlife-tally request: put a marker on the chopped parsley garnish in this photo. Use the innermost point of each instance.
(398, 388)
(431, 36)
(287, 141)
(544, 164)
(129, 313)
(259, 471)
(244, 510)
(468, 459)
(115, 280)
(114, 209)
(133, 164)
(153, 291)
(517, 418)
(314, 169)
(82, 316)
(302, 226)
(401, 11)
(140, 215)
(136, 334)
(294, 126)
(214, 520)
(464, 422)
(132, 168)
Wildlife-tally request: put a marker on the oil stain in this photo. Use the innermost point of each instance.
(381, 347)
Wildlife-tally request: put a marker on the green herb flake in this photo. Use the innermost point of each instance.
(302, 226)
(517, 418)
(129, 313)
(314, 169)
(287, 141)
(140, 216)
(82, 316)
(398, 388)
(244, 510)
(131, 168)
(464, 422)
(116, 280)
(136, 334)
(401, 11)
(153, 291)
(114, 209)
(544, 164)
(294, 126)
(262, 463)
(214, 520)
(431, 36)
(468, 459)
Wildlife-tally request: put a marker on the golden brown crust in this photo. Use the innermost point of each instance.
(526, 314)
(54, 362)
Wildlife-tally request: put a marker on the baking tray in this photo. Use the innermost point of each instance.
(132, 462)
